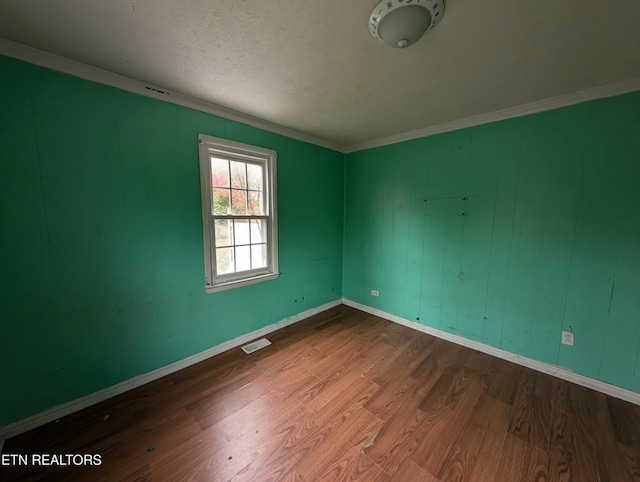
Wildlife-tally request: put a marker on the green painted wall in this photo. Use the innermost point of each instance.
(101, 250)
(550, 236)
(101, 246)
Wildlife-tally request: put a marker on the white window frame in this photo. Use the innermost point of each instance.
(222, 148)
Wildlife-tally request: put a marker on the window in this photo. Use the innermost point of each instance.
(238, 212)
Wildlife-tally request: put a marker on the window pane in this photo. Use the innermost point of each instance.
(243, 258)
(220, 201)
(241, 230)
(255, 202)
(238, 201)
(258, 256)
(254, 176)
(258, 231)
(219, 172)
(224, 260)
(238, 175)
(224, 232)
(240, 216)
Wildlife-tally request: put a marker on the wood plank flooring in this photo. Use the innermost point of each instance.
(347, 396)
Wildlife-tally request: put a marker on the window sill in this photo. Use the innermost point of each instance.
(240, 283)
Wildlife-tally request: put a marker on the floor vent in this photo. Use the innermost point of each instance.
(256, 345)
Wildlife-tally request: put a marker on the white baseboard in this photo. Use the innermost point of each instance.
(547, 368)
(68, 408)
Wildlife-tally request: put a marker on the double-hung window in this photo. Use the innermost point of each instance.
(238, 183)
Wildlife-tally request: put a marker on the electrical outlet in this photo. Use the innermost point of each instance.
(375, 293)
(567, 338)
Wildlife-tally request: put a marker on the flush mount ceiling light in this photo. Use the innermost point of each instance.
(400, 23)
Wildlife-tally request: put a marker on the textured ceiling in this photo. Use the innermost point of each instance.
(313, 66)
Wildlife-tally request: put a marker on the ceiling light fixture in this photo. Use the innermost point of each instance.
(400, 23)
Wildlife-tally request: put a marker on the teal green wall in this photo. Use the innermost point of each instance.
(550, 239)
(101, 250)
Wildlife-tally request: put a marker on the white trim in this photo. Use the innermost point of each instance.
(547, 368)
(229, 150)
(609, 90)
(240, 283)
(95, 74)
(68, 408)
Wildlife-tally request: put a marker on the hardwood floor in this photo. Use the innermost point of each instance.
(347, 396)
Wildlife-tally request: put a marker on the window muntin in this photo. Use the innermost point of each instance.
(239, 215)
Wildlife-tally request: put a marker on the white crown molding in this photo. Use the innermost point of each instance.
(547, 368)
(68, 408)
(95, 74)
(609, 90)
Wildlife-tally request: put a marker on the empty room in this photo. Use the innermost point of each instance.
(320, 241)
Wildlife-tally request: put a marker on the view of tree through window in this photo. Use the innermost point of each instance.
(239, 213)
(238, 208)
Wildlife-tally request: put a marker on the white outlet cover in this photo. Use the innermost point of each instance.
(567, 338)
(375, 293)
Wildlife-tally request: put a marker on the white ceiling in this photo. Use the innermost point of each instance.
(312, 66)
